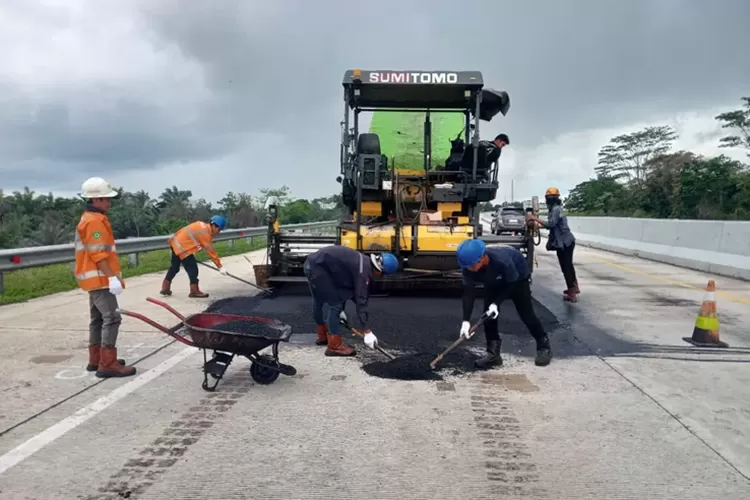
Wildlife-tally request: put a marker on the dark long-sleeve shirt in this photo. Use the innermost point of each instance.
(493, 152)
(560, 235)
(342, 274)
(507, 265)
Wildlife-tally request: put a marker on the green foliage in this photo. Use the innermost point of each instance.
(638, 176)
(738, 120)
(28, 219)
(628, 156)
(26, 284)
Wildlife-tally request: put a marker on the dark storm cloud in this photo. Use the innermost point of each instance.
(568, 65)
(277, 68)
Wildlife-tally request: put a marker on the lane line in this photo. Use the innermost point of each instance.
(78, 393)
(724, 295)
(47, 436)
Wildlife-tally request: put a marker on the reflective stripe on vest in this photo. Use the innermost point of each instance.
(86, 273)
(204, 230)
(93, 274)
(89, 275)
(80, 247)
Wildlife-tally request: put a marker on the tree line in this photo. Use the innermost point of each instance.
(640, 175)
(31, 219)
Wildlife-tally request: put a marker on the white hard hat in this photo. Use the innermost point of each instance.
(96, 187)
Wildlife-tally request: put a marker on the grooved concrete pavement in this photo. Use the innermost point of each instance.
(618, 415)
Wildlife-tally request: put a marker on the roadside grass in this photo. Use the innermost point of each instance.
(26, 284)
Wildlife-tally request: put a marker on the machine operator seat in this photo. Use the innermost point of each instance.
(368, 144)
(374, 163)
(454, 161)
(483, 165)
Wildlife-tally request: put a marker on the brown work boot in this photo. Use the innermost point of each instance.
(196, 292)
(337, 348)
(322, 335)
(94, 354)
(109, 367)
(166, 287)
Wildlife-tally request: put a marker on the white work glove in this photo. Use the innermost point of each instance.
(115, 287)
(492, 311)
(343, 318)
(465, 327)
(223, 271)
(370, 340)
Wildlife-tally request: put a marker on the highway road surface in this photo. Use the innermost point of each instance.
(626, 410)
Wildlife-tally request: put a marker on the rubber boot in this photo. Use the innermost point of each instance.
(195, 292)
(336, 347)
(492, 358)
(109, 367)
(166, 287)
(569, 295)
(543, 352)
(575, 287)
(94, 355)
(322, 335)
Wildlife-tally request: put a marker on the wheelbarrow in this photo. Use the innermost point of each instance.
(206, 333)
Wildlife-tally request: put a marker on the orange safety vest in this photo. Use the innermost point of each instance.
(95, 242)
(194, 238)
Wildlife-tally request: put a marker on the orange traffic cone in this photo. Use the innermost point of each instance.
(706, 331)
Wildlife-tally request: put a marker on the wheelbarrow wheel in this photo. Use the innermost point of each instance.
(261, 374)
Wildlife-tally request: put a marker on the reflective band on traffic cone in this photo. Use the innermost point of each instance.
(706, 331)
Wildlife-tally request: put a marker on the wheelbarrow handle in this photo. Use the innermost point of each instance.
(169, 331)
(167, 307)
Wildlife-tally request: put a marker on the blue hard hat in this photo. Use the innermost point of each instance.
(385, 262)
(390, 263)
(219, 221)
(469, 252)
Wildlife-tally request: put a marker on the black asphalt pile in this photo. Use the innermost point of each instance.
(406, 367)
(250, 328)
(421, 327)
(234, 305)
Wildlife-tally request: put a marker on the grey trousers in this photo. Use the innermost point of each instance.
(105, 320)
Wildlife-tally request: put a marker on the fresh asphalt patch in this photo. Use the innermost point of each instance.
(416, 329)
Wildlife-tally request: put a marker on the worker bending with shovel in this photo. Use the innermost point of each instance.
(185, 243)
(337, 274)
(505, 273)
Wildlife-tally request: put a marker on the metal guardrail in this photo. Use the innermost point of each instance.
(24, 258)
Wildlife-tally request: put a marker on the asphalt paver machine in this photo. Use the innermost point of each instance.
(420, 214)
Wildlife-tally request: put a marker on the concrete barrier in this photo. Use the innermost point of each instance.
(719, 247)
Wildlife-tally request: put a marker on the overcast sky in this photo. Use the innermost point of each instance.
(241, 94)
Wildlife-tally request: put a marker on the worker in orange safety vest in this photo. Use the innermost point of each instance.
(97, 271)
(185, 244)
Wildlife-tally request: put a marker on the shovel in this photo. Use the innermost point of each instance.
(460, 339)
(264, 290)
(343, 322)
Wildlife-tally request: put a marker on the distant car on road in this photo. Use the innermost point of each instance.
(509, 219)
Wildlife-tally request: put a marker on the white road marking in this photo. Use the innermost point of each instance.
(47, 436)
(72, 373)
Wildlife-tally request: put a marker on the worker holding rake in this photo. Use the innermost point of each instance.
(337, 274)
(504, 273)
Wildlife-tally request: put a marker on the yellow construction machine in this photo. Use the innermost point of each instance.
(420, 214)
